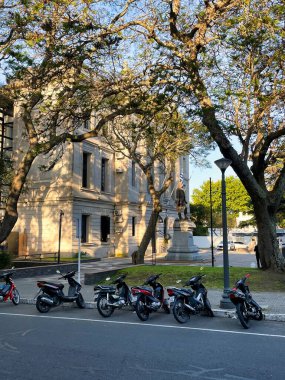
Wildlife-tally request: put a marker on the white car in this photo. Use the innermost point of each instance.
(239, 245)
(230, 245)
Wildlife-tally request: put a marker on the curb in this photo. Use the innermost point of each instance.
(232, 314)
(217, 312)
(31, 301)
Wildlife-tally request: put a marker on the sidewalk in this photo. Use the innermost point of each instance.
(273, 304)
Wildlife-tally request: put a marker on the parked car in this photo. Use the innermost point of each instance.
(239, 245)
(220, 246)
(233, 245)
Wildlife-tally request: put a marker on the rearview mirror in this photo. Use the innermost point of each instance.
(108, 278)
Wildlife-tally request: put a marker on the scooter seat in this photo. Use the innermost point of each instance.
(105, 288)
(52, 284)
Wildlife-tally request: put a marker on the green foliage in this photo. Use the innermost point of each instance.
(237, 201)
(200, 231)
(237, 197)
(5, 260)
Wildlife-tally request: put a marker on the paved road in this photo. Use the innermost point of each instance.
(70, 343)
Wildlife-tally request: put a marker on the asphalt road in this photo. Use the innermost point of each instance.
(68, 343)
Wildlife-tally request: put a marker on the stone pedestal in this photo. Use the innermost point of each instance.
(183, 247)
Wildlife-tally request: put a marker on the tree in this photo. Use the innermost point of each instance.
(238, 200)
(58, 58)
(227, 57)
(200, 215)
(154, 142)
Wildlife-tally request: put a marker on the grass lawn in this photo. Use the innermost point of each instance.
(259, 280)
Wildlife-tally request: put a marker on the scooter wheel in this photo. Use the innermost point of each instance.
(142, 310)
(16, 297)
(103, 307)
(42, 306)
(179, 311)
(242, 316)
(208, 308)
(80, 301)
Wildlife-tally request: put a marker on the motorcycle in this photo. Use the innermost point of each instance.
(51, 294)
(246, 307)
(110, 298)
(150, 299)
(188, 302)
(8, 290)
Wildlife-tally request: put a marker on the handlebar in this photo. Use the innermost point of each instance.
(8, 274)
(152, 278)
(196, 278)
(243, 280)
(240, 284)
(67, 275)
(119, 279)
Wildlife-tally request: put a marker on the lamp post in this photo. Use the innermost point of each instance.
(211, 224)
(225, 302)
(61, 213)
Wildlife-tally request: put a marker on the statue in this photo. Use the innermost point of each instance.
(182, 247)
(180, 200)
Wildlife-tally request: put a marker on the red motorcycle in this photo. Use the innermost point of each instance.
(150, 299)
(8, 290)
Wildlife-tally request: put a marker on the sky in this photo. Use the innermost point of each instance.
(198, 175)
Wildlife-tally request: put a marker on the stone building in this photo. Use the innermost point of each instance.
(91, 189)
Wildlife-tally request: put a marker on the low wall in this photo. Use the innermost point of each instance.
(41, 269)
(205, 241)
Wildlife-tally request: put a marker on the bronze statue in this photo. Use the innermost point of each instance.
(181, 203)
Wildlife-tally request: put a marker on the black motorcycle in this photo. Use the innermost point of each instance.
(51, 294)
(150, 299)
(187, 301)
(246, 307)
(110, 297)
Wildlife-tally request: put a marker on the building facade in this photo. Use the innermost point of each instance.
(92, 200)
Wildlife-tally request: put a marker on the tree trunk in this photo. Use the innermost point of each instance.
(270, 255)
(149, 232)
(264, 209)
(11, 212)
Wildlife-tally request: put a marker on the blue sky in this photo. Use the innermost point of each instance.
(198, 175)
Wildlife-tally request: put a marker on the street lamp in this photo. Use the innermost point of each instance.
(211, 224)
(225, 302)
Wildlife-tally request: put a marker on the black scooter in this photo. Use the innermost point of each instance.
(246, 307)
(187, 302)
(51, 294)
(111, 297)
